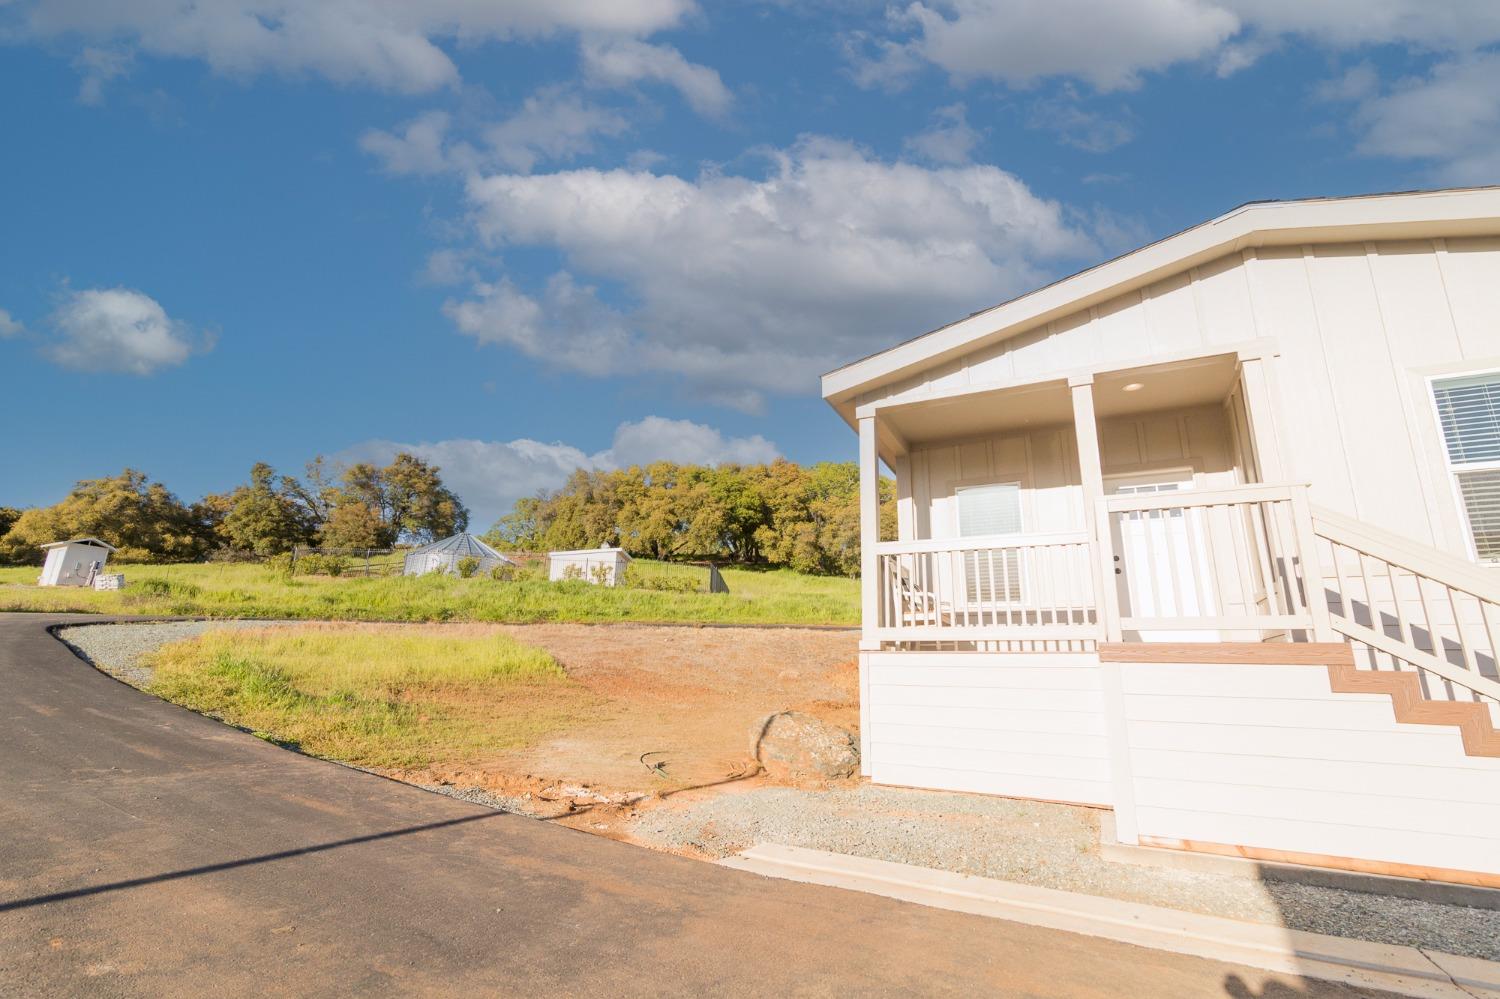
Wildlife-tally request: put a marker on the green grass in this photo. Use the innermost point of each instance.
(378, 698)
(239, 590)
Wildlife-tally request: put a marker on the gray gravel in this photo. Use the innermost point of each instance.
(117, 648)
(1048, 845)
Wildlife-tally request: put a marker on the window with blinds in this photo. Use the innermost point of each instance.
(1469, 413)
(990, 576)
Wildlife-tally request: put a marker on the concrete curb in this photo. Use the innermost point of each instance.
(1405, 971)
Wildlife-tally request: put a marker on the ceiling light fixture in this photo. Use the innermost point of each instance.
(1134, 387)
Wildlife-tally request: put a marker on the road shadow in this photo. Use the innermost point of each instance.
(229, 865)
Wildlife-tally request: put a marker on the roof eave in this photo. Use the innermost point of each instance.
(1465, 211)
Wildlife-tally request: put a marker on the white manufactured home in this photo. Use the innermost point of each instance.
(1207, 535)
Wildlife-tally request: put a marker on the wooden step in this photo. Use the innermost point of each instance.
(1471, 718)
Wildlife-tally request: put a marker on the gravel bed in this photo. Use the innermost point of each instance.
(1049, 845)
(117, 648)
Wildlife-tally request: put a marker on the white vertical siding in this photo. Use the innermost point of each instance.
(1268, 757)
(1045, 463)
(1358, 327)
(1014, 725)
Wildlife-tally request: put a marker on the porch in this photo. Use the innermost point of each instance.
(1141, 505)
(1116, 505)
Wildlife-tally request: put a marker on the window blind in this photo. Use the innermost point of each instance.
(1469, 409)
(1481, 495)
(1469, 413)
(985, 510)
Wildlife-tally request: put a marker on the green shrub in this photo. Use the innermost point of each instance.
(321, 565)
(661, 582)
(467, 566)
(153, 587)
(503, 573)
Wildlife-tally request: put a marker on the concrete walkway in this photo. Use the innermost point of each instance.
(149, 851)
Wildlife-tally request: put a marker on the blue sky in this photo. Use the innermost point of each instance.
(521, 237)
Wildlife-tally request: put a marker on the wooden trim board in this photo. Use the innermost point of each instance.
(1229, 653)
(1380, 867)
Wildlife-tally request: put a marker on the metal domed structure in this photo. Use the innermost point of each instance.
(444, 556)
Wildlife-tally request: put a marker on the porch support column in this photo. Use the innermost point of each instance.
(1107, 607)
(1086, 428)
(1260, 410)
(869, 534)
(1096, 520)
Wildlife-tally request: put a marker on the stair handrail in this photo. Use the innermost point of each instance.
(1466, 678)
(1425, 564)
(1391, 547)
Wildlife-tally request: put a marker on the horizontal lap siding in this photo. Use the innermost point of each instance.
(1021, 726)
(1269, 757)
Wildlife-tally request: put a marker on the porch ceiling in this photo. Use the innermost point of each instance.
(1165, 386)
(1044, 404)
(1122, 392)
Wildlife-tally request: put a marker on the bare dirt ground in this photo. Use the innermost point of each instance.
(686, 699)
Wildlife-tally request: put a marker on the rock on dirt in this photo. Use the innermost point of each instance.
(794, 746)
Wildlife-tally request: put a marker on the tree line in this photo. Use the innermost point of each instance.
(803, 517)
(780, 514)
(359, 506)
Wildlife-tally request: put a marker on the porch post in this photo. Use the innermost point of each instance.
(1096, 519)
(869, 534)
(1260, 410)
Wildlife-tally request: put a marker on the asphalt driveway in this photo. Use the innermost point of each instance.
(145, 850)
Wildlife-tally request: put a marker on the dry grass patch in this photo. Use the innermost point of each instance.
(376, 697)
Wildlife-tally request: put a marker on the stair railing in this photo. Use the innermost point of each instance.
(1404, 606)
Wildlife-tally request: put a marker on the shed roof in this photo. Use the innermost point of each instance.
(94, 542)
(1406, 214)
(601, 550)
(461, 545)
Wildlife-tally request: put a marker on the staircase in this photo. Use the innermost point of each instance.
(1422, 627)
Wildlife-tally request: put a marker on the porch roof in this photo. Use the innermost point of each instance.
(1452, 212)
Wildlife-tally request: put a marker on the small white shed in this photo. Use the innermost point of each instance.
(75, 562)
(592, 565)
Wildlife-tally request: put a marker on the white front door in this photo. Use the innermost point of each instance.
(1161, 565)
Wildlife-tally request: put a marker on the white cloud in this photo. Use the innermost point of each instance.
(97, 67)
(1355, 83)
(389, 44)
(553, 124)
(1107, 44)
(9, 326)
(448, 266)
(1089, 131)
(1450, 118)
(949, 139)
(117, 329)
(657, 438)
(489, 476)
(418, 148)
(742, 285)
(1110, 45)
(623, 61)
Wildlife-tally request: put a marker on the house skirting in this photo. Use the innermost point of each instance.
(1234, 749)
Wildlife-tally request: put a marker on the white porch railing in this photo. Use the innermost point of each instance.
(999, 593)
(1211, 565)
